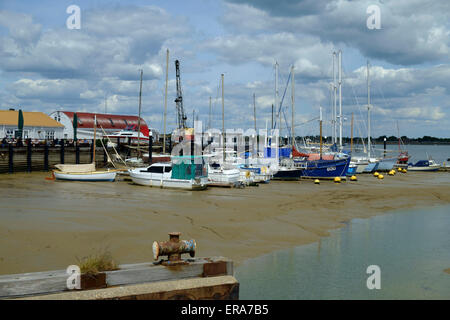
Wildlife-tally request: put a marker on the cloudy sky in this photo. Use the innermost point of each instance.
(44, 66)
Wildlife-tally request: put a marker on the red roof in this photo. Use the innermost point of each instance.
(107, 121)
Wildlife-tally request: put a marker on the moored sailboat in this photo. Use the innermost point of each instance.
(84, 172)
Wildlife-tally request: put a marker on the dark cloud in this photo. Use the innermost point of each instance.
(287, 8)
(411, 32)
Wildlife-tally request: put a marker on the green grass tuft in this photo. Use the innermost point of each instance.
(97, 263)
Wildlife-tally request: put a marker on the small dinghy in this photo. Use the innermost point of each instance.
(83, 172)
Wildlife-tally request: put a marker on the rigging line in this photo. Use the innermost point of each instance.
(382, 95)
(282, 99)
(308, 121)
(117, 154)
(363, 121)
(285, 120)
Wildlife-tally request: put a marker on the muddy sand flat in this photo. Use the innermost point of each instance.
(46, 225)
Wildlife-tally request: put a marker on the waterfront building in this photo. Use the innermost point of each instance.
(36, 126)
(111, 123)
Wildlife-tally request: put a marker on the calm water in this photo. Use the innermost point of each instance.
(439, 153)
(411, 248)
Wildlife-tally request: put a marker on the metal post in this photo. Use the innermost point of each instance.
(46, 156)
(29, 155)
(77, 152)
(10, 159)
(150, 150)
(92, 150)
(62, 150)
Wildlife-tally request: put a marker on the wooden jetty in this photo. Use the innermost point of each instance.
(193, 279)
(42, 157)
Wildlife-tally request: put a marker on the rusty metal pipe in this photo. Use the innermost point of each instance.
(174, 247)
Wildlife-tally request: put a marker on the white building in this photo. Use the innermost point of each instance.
(37, 125)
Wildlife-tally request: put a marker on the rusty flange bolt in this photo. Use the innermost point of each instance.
(174, 247)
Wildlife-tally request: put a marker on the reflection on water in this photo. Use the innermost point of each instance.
(411, 248)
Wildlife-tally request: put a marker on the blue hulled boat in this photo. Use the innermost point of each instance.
(324, 168)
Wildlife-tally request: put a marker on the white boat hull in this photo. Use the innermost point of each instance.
(429, 168)
(86, 176)
(223, 176)
(360, 167)
(145, 179)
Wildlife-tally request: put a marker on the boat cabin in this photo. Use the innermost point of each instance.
(181, 168)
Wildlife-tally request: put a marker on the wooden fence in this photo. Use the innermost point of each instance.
(43, 157)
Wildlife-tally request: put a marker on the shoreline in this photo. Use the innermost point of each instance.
(47, 224)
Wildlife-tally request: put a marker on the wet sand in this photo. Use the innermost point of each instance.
(46, 225)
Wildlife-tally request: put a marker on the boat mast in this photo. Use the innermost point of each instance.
(276, 98)
(351, 139)
(210, 111)
(165, 101)
(320, 122)
(223, 123)
(293, 106)
(95, 134)
(368, 111)
(254, 111)
(334, 99)
(272, 121)
(139, 118)
(340, 100)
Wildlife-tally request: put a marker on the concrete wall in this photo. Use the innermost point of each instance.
(217, 288)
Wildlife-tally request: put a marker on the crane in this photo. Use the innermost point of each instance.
(181, 121)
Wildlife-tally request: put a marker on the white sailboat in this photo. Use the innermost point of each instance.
(220, 173)
(178, 174)
(84, 172)
(367, 163)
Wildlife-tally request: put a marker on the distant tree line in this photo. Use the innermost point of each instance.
(380, 139)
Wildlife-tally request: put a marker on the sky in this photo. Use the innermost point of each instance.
(44, 66)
